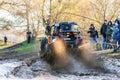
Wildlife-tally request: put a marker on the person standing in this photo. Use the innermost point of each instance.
(29, 37)
(5, 39)
(48, 30)
(93, 35)
(108, 33)
(119, 37)
(102, 31)
(116, 35)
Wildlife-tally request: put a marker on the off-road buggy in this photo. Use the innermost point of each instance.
(65, 37)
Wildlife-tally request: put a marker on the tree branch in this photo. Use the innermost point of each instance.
(81, 16)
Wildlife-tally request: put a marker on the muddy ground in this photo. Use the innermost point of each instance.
(30, 67)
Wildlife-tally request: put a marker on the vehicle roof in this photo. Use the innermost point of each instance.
(64, 23)
(67, 23)
(64, 31)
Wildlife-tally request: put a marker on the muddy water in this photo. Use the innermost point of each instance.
(39, 70)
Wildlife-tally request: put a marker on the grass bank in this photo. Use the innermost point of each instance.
(28, 48)
(21, 48)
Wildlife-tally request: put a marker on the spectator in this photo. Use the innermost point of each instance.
(5, 39)
(102, 31)
(108, 33)
(119, 39)
(116, 34)
(93, 35)
(28, 37)
(48, 30)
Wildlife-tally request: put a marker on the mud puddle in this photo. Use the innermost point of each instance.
(14, 69)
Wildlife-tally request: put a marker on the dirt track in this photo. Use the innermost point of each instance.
(32, 68)
(29, 66)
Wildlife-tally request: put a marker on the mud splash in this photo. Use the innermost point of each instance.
(40, 70)
(75, 69)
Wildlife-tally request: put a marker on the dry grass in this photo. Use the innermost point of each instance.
(2, 45)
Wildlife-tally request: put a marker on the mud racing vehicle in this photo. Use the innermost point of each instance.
(65, 37)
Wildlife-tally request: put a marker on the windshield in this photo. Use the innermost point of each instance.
(74, 27)
(66, 27)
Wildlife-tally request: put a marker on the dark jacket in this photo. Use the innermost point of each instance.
(109, 30)
(116, 33)
(29, 33)
(5, 38)
(103, 29)
(93, 32)
(48, 30)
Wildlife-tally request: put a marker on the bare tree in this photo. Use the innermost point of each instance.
(36, 13)
(105, 9)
